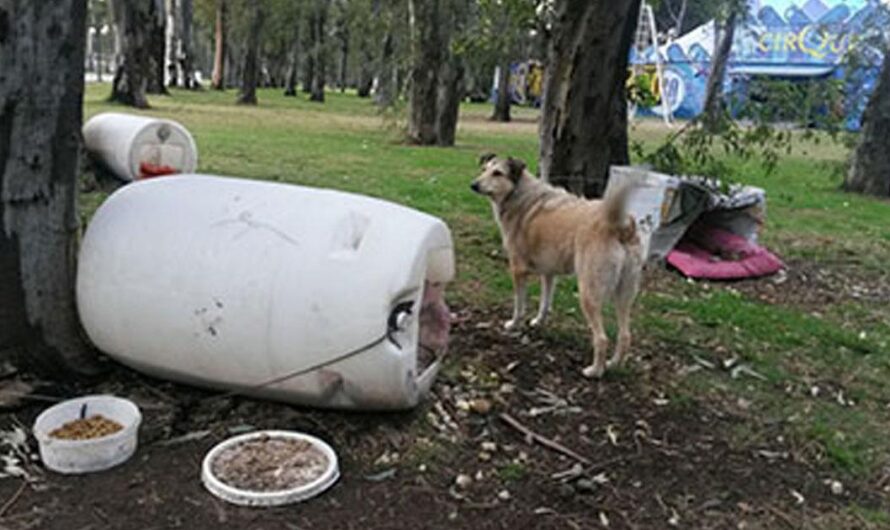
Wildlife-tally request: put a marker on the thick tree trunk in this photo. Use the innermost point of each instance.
(503, 99)
(290, 88)
(218, 79)
(451, 92)
(319, 52)
(712, 115)
(157, 43)
(250, 74)
(426, 62)
(582, 130)
(130, 81)
(387, 87)
(187, 67)
(41, 97)
(870, 170)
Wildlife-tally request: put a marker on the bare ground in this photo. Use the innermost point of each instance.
(652, 459)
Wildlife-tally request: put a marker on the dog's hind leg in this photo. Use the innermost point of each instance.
(624, 300)
(520, 280)
(591, 304)
(548, 288)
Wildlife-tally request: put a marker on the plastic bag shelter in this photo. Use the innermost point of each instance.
(136, 147)
(695, 227)
(303, 295)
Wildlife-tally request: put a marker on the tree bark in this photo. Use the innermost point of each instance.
(319, 52)
(250, 74)
(870, 169)
(343, 34)
(451, 92)
(218, 79)
(311, 39)
(365, 75)
(713, 113)
(583, 129)
(290, 88)
(174, 42)
(41, 95)
(130, 81)
(187, 66)
(426, 62)
(503, 100)
(157, 43)
(387, 88)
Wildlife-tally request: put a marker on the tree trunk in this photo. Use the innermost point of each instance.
(503, 100)
(451, 91)
(426, 62)
(174, 42)
(870, 169)
(582, 130)
(41, 98)
(344, 57)
(290, 88)
(187, 66)
(386, 86)
(713, 113)
(157, 43)
(250, 74)
(129, 83)
(319, 52)
(365, 75)
(218, 79)
(311, 39)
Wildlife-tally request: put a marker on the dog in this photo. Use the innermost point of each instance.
(549, 232)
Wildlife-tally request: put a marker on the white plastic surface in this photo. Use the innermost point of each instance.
(270, 498)
(85, 456)
(230, 283)
(123, 141)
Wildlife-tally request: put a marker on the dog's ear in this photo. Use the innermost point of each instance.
(484, 159)
(516, 167)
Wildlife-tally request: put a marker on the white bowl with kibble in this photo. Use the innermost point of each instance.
(269, 468)
(88, 434)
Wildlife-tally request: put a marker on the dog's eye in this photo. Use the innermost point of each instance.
(497, 173)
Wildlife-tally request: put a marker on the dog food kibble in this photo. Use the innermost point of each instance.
(270, 464)
(95, 426)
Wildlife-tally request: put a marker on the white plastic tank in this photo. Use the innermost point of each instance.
(231, 283)
(134, 147)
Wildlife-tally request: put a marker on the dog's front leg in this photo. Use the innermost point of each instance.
(548, 287)
(519, 298)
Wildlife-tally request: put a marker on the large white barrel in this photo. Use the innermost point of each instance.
(133, 147)
(232, 283)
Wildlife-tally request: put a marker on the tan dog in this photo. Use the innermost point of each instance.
(549, 232)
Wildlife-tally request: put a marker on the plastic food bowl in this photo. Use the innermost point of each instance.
(269, 498)
(96, 454)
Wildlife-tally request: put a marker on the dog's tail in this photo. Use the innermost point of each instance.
(616, 212)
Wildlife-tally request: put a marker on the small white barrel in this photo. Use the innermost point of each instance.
(134, 147)
(232, 283)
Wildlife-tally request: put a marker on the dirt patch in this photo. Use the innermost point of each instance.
(652, 459)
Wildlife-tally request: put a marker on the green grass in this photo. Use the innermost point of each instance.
(345, 144)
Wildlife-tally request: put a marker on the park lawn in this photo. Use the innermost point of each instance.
(818, 347)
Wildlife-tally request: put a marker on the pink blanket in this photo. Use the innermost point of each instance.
(716, 254)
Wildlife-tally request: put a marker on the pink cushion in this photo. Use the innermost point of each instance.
(715, 254)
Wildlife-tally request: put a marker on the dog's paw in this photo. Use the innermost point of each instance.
(537, 322)
(613, 362)
(511, 325)
(593, 372)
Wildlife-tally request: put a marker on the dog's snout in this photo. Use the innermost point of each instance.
(475, 186)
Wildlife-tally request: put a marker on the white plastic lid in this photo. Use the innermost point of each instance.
(270, 498)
